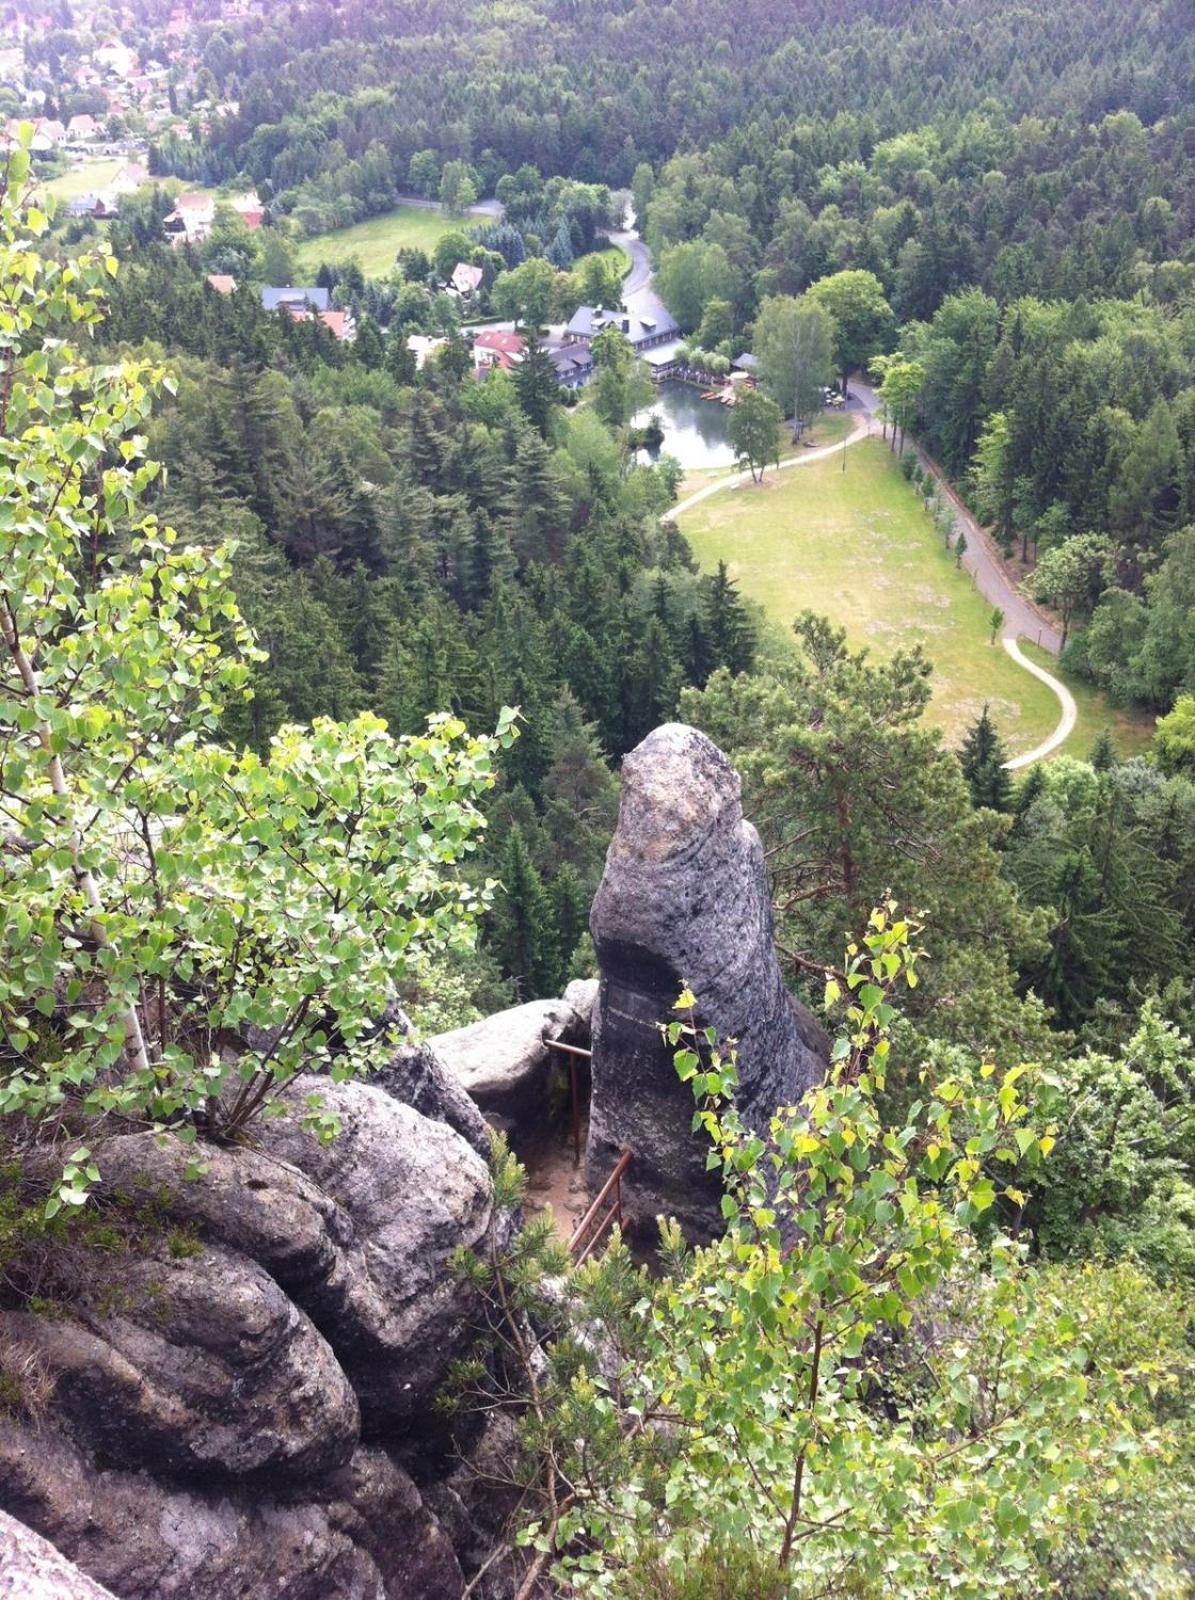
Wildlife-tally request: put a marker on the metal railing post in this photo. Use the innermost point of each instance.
(595, 1214)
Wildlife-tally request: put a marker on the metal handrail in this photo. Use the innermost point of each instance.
(613, 1184)
(573, 1051)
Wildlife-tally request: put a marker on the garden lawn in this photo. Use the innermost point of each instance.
(88, 177)
(859, 547)
(377, 241)
(614, 252)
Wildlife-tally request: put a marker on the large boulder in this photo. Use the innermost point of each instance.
(504, 1062)
(412, 1193)
(417, 1076)
(684, 901)
(32, 1569)
(582, 995)
(359, 1233)
(196, 1365)
(192, 1422)
(362, 1532)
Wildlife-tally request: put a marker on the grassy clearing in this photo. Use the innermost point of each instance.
(88, 177)
(377, 241)
(860, 547)
(1131, 730)
(615, 253)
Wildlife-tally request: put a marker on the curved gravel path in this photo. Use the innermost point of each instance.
(738, 480)
(1070, 712)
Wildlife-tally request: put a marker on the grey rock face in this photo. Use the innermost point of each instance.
(684, 900)
(582, 995)
(363, 1534)
(199, 1411)
(504, 1062)
(200, 1365)
(357, 1233)
(417, 1076)
(32, 1569)
(411, 1192)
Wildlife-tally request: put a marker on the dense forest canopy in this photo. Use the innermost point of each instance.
(985, 208)
(591, 89)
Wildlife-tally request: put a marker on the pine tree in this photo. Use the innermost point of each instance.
(369, 347)
(579, 791)
(651, 681)
(570, 910)
(536, 388)
(310, 669)
(491, 560)
(541, 519)
(589, 673)
(982, 759)
(1030, 789)
(728, 627)
(1103, 752)
(400, 362)
(523, 927)
(696, 656)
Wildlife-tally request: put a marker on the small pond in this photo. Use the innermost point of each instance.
(696, 431)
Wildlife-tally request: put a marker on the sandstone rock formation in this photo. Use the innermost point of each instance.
(504, 1062)
(223, 1407)
(32, 1569)
(362, 1532)
(684, 900)
(418, 1077)
(582, 995)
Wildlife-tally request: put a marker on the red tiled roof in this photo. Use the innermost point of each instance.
(511, 344)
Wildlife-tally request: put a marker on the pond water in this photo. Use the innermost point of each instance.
(696, 431)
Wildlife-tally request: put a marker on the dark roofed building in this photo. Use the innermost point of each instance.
(573, 364)
(643, 331)
(292, 299)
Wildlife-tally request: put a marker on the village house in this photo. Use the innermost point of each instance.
(303, 304)
(83, 129)
(48, 132)
(191, 220)
(340, 324)
(493, 348)
(422, 346)
(642, 332)
(129, 178)
(222, 282)
(573, 363)
(99, 206)
(250, 210)
(465, 279)
(292, 299)
(116, 58)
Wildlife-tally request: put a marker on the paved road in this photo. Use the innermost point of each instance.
(640, 275)
(1022, 619)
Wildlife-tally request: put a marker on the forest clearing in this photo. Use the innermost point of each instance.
(859, 546)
